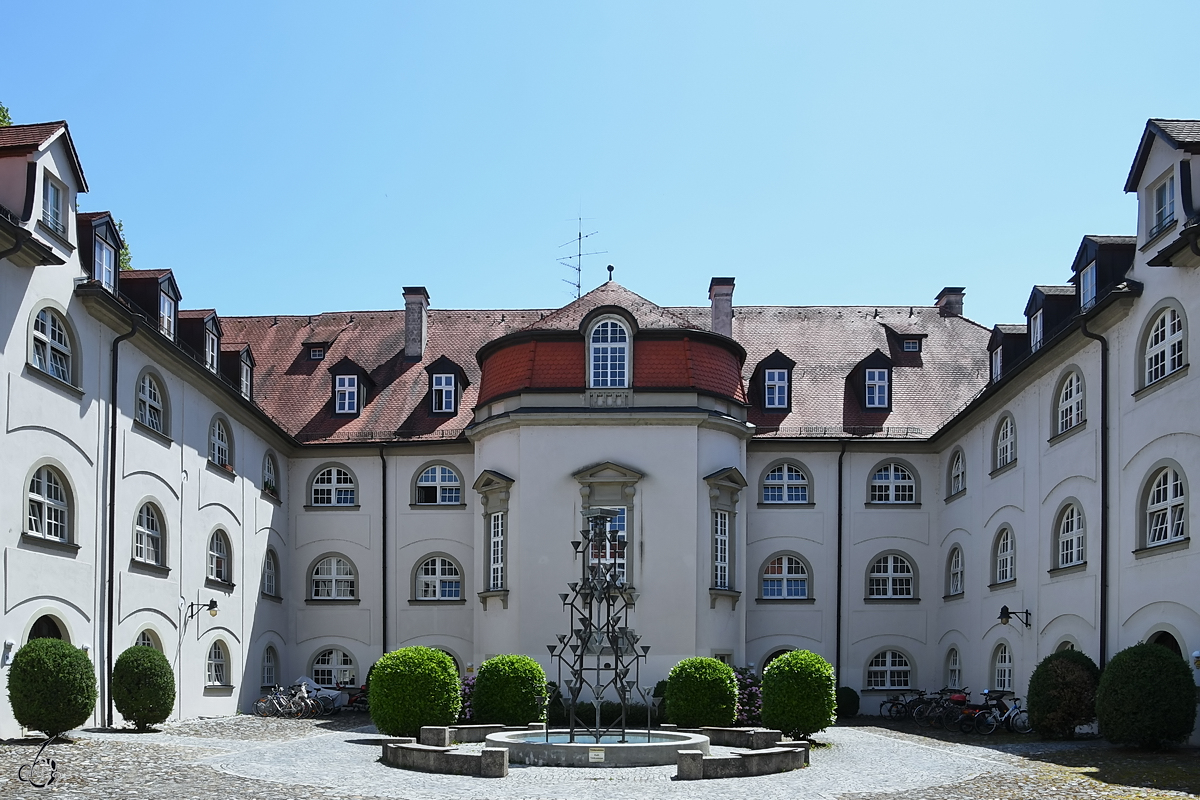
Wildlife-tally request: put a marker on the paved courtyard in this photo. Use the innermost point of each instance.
(247, 757)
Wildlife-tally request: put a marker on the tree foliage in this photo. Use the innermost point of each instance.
(124, 259)
(5, 117)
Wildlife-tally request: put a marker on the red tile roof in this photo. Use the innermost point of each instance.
(196, 313)
(28, 137)
(647, 314)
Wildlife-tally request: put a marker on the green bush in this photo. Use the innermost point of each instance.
(799, 694)
(143, 687)
(413, 687)
(1146, 697)
(660, 691)
(1062, 694)
(847, 702)
(702, 691)
(510, 690)
(51, 686)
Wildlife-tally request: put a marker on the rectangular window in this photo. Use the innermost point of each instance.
(776, 388)
(1035, 330)
(316, 353)
(346, 395)
(497, 552)
(1164, 207)
(912, 345)
(997, 363)
(612, 551)
(721, 549)
(105, 267)
(877, 388)
(443, 393)
(246, 376)
(166, 314)
(52, 205)
(211, 349)
(1087, 287)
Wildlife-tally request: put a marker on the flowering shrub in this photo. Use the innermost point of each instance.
(749, 707)
(467, 691)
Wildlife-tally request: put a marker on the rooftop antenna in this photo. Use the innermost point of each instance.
(575, 262)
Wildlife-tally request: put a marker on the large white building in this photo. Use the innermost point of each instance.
(873, 484)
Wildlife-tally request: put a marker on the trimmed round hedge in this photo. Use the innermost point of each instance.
(510, 690)
(702, 691)
(1146, 698)
(848, 702)
(412, 687)
(143, 687)
(51, 686)
(799, 694)
(1062, 694)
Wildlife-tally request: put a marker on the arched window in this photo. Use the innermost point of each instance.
(1070, 536)
(1070, 402)
(270, 585)
(785, 483)
(1005, 556)
(218, 665)
(46, 627)
(610, 355)
(49, 506)
(958, 474)
(1002, 668)
(334, 486)
(270, 660)
(332, 667)
(147, 535)
(438, 578)
(270, 478)
(333, 578)
(218, 443)
(889, 669)
(954, 572)
(219, 568)
(1166, 500)
(953, 669)
(893, 483)
(891, 576)
(1006, 442)
(785, 578)
(147, 639)
(151, 404)
(439, 485)
(52, 345)
(1164, 345)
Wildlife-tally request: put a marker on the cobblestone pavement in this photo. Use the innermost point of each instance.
(256, 759)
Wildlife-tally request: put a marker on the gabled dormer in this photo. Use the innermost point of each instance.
(771, 383)
(1101, 262)
(40, 174)
(1007, 346)
(1162, 176)
(351, 386)
(100, 246)
(155, 292)
(1048, 309)
(447, 382)
(237, 367)
(871, 382)
(905, 344)
(200, 330)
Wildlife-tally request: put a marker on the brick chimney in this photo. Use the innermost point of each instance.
(720, 292)
(949, 301)
(416, 306)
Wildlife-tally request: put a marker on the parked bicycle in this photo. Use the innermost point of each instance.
(899, 706)
(295, 702)
(1013, 718)
(934, 707)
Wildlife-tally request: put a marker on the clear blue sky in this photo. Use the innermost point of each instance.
(304, 157)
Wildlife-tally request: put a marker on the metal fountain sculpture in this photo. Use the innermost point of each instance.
(601, 656)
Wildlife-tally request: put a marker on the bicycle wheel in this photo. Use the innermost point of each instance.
(986, 723)
(966, 723)
(921, 713)
(1020, 722)
(897, 710)
(262, 707)
(933, 719)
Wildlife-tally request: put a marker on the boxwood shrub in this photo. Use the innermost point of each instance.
(510, 690)
(1146, 698)
(413, 687)
(702, 691)
(143, 686)
(847, 702)
(51, 686)
(799, 694)
(1062, 694)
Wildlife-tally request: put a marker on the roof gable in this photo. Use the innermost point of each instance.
(645, 313)
(1178, 134)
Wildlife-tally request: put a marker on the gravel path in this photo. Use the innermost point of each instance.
(246, 757)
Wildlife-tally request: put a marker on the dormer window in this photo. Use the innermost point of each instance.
(1087, 287)
(877, 388)
(166, 314)
(346, 394)
(775, 388)
(997, 363)
(316, 353)
(443, 394)
(1035, 330)
(247, 379)
(211, 349)
(609, 355)
(912, 345)
(106, 264)
(1163, 206)
(53, 211)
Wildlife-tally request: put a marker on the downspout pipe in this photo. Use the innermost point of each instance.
(22, 236)
(837, 656)
(113, 369)
(1104, 488)
(384, 545)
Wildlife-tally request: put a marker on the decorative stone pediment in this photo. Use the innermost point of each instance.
(607, 483)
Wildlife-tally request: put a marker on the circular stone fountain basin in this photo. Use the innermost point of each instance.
(659, 749)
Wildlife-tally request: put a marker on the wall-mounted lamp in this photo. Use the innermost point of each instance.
(196, 608)
(1006, 615)
(1191, 232)
(6, 656)
(1196, 659)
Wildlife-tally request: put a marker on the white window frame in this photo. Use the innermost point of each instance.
(316, 354)
(775, 388)
(997, 363)
(247, 379)
(345, 394)
(104, 257)
(956, 584)
(166, 313)
(1070, 402)
(721, 545)
(218, 665)
(219, 561)
(218, 443)
(444, 394)
(893, 483)
(439, 578)
(1087, 287)
(54, 206)
(269, 661)
(146, 639)
(496, 559)
(270, 475)
(877, 388)
(613, 553)
(151, 411)
(953, 669)
(1164, 345)
(912, 345)
(1036, 329)
(1005, 556)
(147, 536)
(212, 349)
(335, 666)
(784, 577)
(445, 483)
(334, 486)
(1006, 441)
(1162, 206)
(270, 578)
(1166, 508)
(333, 578)
(889, 669)
(785, 483)
(1071, 537)
(958, 473)
(1002, 674)
(52, 345)
(608, 355)
(892, 577)
(48, 513)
